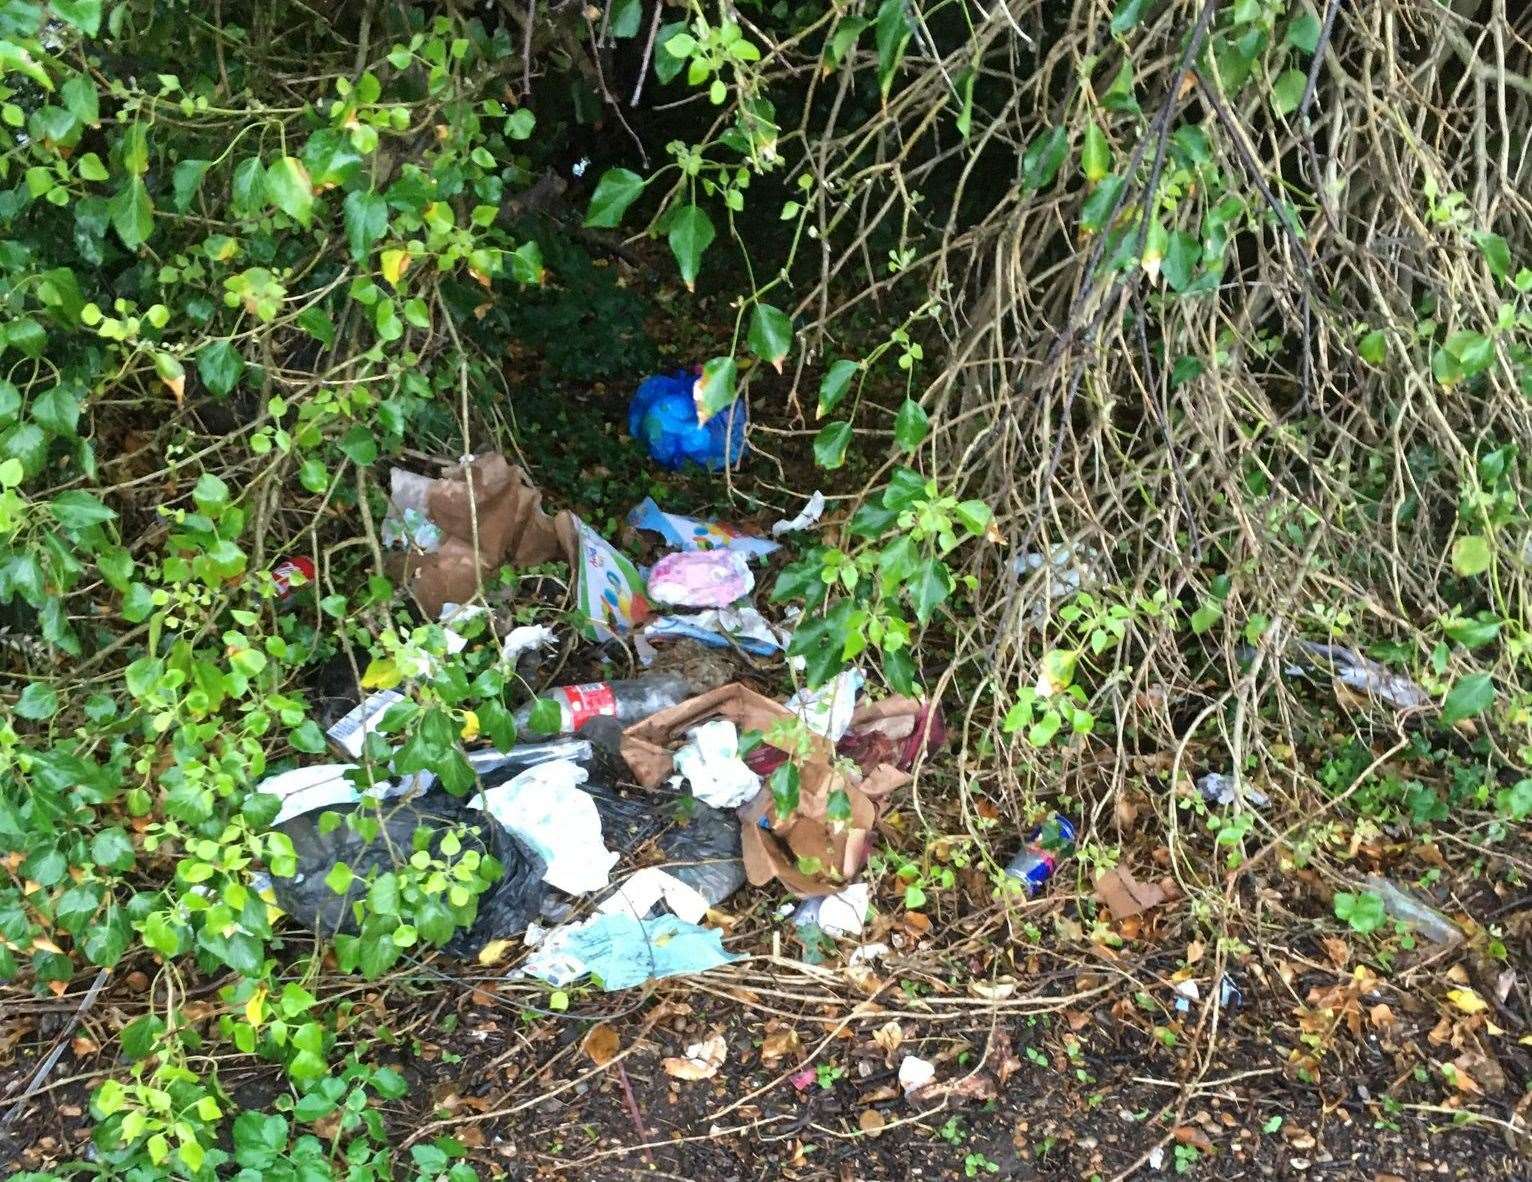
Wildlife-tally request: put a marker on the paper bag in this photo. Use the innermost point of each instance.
(808, 853)
(504, 508)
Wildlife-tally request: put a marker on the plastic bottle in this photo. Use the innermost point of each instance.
(1034, 865)
(626, 701)
(1403, 906)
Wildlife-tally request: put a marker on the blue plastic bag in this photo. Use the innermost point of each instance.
(663, 414)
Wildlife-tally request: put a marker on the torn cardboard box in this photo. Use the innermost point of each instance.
(775, 847)
(504, 514)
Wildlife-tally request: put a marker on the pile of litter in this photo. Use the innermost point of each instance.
(647, 802)
(644, 803)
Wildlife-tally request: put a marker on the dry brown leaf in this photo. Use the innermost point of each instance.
(701, 1061)
(1124, 896)
(871, 1121)
(1195, 1137)
(1194, 952)
(778, 1044)
(1337, 950)
(979, 1086)
(1482, 1070)
(1002, 1056)
(1382, 1017)
(470, 1134)
(601, 1044)
(888, 1037)
(1460, 1077)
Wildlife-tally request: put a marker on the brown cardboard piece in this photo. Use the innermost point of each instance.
(511, 525)
(841, 848)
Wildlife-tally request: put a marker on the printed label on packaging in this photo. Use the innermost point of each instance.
(350, 732)
(585, 702)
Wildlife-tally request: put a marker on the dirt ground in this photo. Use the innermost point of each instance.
(1071, 1078)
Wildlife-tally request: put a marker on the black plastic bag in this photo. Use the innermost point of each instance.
(504, 910)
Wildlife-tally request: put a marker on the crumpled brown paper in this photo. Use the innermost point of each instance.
(776, 851)
(512, 527)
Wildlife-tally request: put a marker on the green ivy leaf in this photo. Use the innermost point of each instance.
(905, 487)
(220, 366)
(1473, 633)
(1182, 254)
(1303, 32)
(831, 443)
(1287, 92)
(106, 940)
(1497, 254)
(1095, 154)
(975, 516)
(911, 425)
(330, 158)
(365, 217)
(520, 123)
(617, 189)
(1473, 352)
(77, 510)
(186, 180)
(891, 30)
(1099, 205)
(1472, 555)
(79, 95)
(1468, 698)
(929, 588)
(821, 641)
(527, 264)
(836, 382)
(1364, 912)
(91, 168)
(626, 15)
(57, 410)
(899, 668)
(691, 233)
(1127, 15)
(359, 446)
(784, 784)
(288, 186)
(38, 702)
(307, 737)
(113, 849)
(133, 213)
(339, 878)
(19, 58)
(1373, 347)
(84, 15)
(1041, 161)
(249, 187)
(771, 334)
(675, 46)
